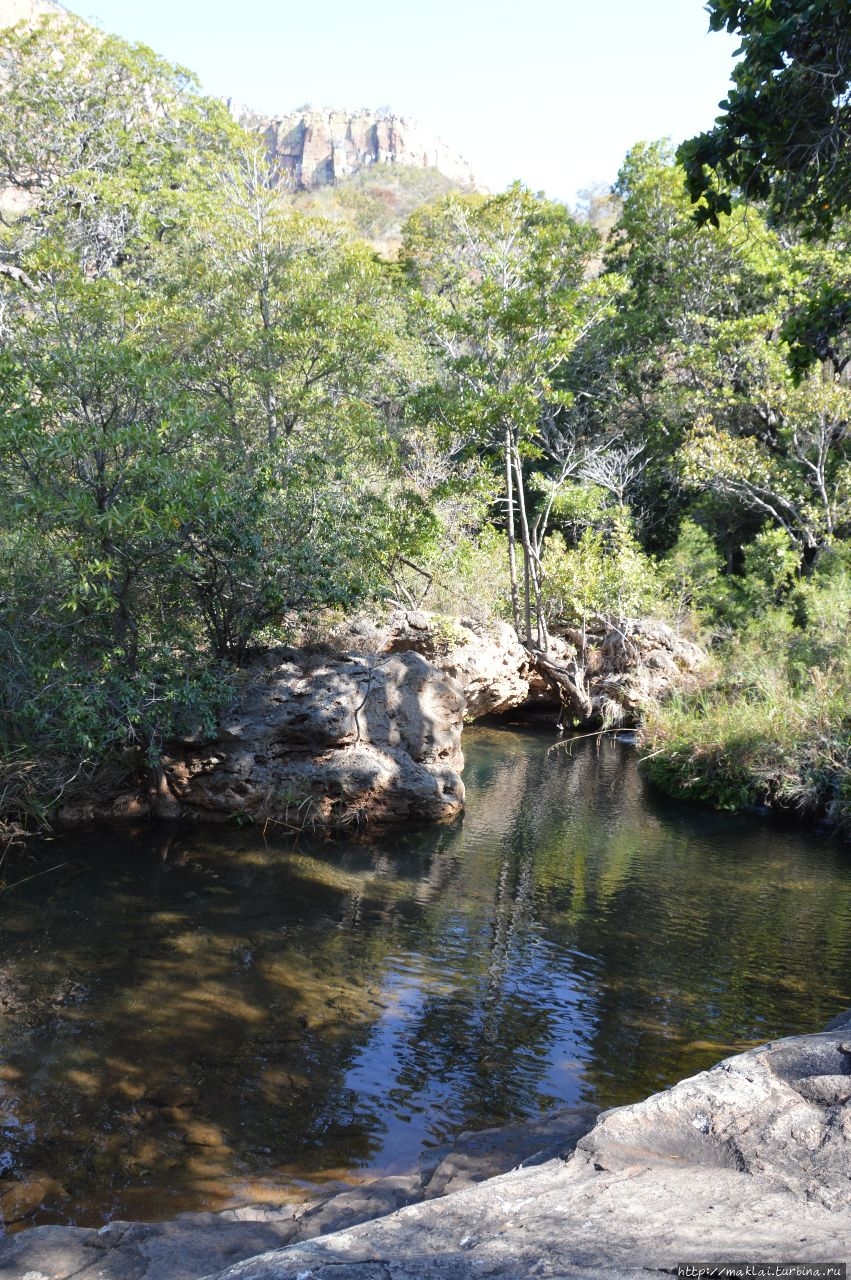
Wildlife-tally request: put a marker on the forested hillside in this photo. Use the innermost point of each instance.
(225, 419)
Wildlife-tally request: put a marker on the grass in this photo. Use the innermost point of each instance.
(773, 728)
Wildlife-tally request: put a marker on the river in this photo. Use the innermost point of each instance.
(193, 1019)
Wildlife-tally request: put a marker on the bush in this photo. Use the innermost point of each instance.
(774, 728)
(606, 573)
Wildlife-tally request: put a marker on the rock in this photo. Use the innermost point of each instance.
(609, 675)
(751, 1160)
(191, 1246)
(775, 1113)
(360, 1204)
(197, 1134)
(13, 11)
(477, 1155)
(20, 1200)
(333, 741)
(196, 1244)
(316, 148)
(369, 732)
(486, 659)
(841, 1020)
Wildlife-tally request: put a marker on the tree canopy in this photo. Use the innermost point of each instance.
(784, 132)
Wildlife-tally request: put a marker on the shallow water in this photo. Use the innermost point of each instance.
(196, 1019)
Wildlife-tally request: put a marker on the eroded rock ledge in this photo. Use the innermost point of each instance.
(367, 731)
(750, 1160)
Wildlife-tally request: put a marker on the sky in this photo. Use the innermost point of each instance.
(552, 92)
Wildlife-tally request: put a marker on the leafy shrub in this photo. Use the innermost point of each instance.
(774, 728)
(606, 573)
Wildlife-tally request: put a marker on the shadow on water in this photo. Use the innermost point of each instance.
(194, 1019)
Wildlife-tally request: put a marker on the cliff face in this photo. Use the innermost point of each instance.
(319, 148)
(12, 11)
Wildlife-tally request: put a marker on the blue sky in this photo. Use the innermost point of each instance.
(549, 91)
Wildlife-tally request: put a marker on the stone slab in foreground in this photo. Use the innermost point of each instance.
(194, 1244)
(748, 1161)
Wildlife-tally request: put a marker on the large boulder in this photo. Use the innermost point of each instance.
(317, 740)
(486, 658)
(330, 740)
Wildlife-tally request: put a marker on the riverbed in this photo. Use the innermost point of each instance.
(195, 1018)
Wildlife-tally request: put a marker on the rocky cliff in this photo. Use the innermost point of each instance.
(12, 11)
(316, 148)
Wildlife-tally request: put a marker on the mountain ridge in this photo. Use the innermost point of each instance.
(316, 147)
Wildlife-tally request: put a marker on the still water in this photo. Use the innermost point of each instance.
(197, 1019)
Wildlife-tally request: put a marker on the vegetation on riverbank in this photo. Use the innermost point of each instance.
(224, 418)
(772, 728)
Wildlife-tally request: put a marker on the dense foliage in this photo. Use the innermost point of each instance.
(785, 127)
(223, 415)
(195, 383)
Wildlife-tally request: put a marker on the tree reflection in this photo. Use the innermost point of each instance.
(199, 1017)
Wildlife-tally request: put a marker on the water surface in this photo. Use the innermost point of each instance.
(194, 1019)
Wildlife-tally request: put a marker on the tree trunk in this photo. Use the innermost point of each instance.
(570, 684)
(530, 566)
(512, 550)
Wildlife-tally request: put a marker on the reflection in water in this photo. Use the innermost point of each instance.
(195, 1019)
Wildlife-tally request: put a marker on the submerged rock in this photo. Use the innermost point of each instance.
(197, 1244)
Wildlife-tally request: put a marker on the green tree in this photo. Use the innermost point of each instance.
(195, 387)
(289, 336)
(796, 471)
(636, 376)
(784, 130)
(99, 442)
(103, 138)
(501, 295)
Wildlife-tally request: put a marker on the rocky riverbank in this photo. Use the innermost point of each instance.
(366, 730)
(750, 1160)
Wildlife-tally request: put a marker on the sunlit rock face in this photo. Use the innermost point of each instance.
(487, 659)
(334, 741)
(342, 740)
(316, 148)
